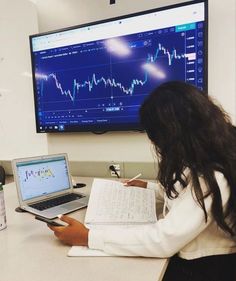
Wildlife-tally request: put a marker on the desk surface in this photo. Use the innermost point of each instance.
(30, 251)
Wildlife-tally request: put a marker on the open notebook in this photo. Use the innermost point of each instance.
(112, 204)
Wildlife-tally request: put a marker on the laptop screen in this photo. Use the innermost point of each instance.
(42, 176)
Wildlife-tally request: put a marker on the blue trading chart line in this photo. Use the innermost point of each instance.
(111, 82)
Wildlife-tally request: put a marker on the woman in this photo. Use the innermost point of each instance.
(195, 143)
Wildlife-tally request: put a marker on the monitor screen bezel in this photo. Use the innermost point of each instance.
(124, 126)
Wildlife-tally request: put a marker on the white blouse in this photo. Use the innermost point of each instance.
(182, 230)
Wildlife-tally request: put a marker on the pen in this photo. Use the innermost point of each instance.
(134, 178)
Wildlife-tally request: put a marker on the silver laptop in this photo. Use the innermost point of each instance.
(44, 186)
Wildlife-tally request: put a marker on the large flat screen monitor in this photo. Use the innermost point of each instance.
(94, 77)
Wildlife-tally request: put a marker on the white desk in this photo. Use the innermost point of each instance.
(30, 252)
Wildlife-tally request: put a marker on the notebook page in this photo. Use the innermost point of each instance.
(112, 203)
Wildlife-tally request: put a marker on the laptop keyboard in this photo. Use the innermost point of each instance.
(56, 201)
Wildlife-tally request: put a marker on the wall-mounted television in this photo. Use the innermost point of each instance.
(94, 77)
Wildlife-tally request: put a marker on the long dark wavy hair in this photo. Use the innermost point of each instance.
(190, 131)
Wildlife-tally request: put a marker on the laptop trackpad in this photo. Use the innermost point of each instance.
(72, 205)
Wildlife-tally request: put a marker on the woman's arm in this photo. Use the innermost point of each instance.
(184, 222)
(166, 237)
(157, 187)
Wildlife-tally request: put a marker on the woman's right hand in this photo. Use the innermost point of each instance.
(137, 183)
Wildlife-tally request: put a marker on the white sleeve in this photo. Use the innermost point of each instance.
(181, 225)
(159, 191)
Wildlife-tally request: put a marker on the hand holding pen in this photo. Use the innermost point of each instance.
(135, 182)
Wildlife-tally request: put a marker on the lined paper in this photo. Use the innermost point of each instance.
(113, 203)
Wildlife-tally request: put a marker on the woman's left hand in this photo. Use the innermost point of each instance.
(74, 234)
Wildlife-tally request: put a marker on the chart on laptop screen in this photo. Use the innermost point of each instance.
(42, 177)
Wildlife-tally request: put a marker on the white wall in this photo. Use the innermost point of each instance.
(222, 54)
(18, 19)
(132, 146)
